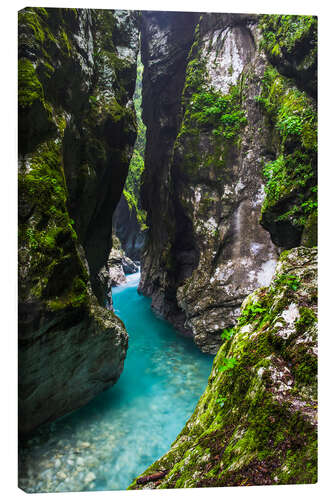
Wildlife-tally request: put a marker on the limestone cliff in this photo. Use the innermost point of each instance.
(231, 147)
(76, 133)
(256, 423)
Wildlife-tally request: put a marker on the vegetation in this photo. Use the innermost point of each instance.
(136, 167)
(217, 111)
(291, 179)
(289, 280)
(207, 112)
(281, 34)
(227, 333)
(49, 239)
(288, 99)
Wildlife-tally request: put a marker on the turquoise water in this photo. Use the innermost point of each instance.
(114, 438)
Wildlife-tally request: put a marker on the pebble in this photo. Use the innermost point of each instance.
(85, 444)
(61, 475)
(57, 463)
(89, 477)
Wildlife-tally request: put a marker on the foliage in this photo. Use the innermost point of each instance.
(29, 87)
(250, 313)
(227, 333)
(221, 400)
(293, 174)
(136, 167)
(288, 280)
(227, 364)
(49, 236)
(212, 109)
(208, 115)
(283, 33)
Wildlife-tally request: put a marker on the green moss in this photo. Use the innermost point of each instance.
(32, 18)
(307, 318)
(136, 167)
(65, 41)
(218, 116)
(285, 33)
(310, 233)
(76, 297)
(29, 87)
(300, 466)
(50, 237)
(291, 191)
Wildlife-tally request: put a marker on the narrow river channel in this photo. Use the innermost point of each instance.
(104, 445)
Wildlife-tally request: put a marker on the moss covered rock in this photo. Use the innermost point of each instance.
(288, 98)
(76, 133)
(256, 423)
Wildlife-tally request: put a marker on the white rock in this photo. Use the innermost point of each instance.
(89, 477)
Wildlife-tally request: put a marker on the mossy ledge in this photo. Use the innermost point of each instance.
(256, 422)
(76, 134)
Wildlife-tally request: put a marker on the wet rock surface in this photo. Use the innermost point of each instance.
(128, 230)
(118, 265)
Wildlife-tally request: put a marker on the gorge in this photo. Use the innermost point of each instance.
(222, 215)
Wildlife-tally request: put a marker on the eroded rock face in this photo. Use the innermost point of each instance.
(209, 252)
(117, 266)
(166, 41)
(256, 423)
(128, 230)
(231, 149)
(76, 131)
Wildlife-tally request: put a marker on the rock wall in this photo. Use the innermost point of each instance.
(116, 268)
(129, 220)
(214, 118)
(166, 40)
(77, 128)
(128, 229)
(256, 423)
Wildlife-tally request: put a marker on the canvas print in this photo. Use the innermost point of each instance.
(167, 249)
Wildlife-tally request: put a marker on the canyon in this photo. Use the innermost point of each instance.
(218, 203)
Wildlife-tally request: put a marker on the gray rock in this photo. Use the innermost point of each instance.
(205, 247)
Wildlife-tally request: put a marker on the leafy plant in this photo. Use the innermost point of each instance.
(221, 400)
(223, 112)
(227, 333)
(250, 313)
(288, 280)
(228, 364)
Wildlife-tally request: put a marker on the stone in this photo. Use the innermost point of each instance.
(89, 477)
(61, 475)
(76, 135)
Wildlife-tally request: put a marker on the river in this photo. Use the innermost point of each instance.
(110, 441)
